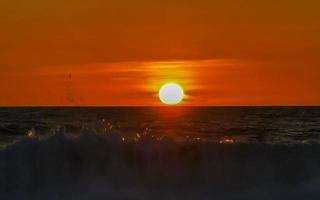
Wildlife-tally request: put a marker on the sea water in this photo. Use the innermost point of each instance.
(160, 153)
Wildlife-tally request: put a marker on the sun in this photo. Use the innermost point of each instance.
(171, 94)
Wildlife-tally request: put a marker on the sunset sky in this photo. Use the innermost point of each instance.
(119, 52)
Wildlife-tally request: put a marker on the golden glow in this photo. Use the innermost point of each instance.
(171, 94)
(217, 82)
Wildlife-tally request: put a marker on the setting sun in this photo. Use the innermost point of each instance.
(171, 94)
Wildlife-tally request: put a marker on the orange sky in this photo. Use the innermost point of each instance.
(119, 52)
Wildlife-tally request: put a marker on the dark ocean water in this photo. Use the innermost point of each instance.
(160, 153)
(272, 125)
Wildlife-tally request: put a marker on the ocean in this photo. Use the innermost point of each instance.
(160, 153)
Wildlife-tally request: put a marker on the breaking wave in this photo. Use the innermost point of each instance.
(108, 166)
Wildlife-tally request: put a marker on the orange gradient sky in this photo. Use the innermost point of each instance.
(100, 53)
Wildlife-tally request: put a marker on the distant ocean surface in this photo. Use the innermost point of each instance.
(272, 125)
(143, 153)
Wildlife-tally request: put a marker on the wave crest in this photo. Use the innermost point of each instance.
(96, 166)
